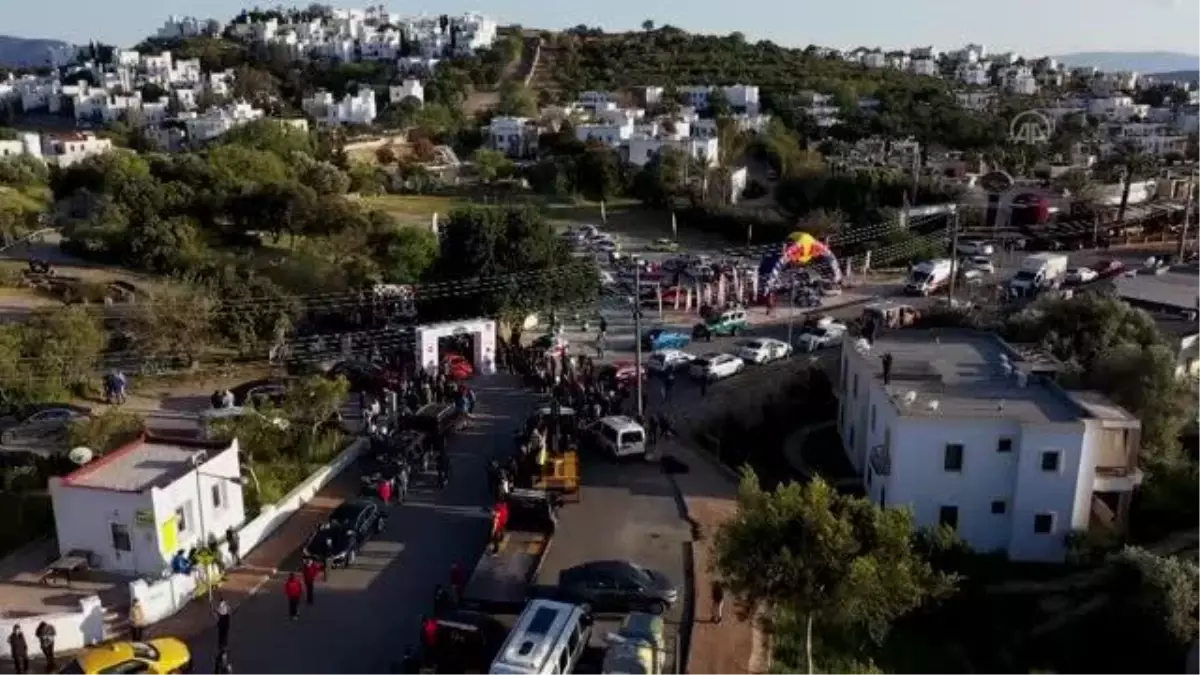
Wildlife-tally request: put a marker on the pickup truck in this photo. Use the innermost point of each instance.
(501, 580)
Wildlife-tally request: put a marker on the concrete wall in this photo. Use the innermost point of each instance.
(84, 519)
(164, 597)
(78, 629)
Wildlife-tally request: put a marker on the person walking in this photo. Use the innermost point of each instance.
(235, 546)
(718, 601)
(402, 483)
(292, 588)
(223, 618)
(499, 521)
(18, 648)
(310, 572)
(45, 635)
(385, 491)
(137, 620)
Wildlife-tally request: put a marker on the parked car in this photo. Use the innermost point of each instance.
(1081, 275)
(829, 335)
(48, 424)
(457, 367)
(669, 360)
(621, 372)
(729, 322)
(619, 586)
(976, 247)
(664, 245)
(763, 350)
(365, 376)
(159, 656)
(979, 262)
(351, 524)
(716, 366)
(657, 339)
(637, 647)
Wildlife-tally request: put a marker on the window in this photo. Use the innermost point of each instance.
(953, 460)
(999, 507)
(181, 517)
(872, 417)
(948, 516)
(120, 537)
(127, 668)
(1004, 445)
(1043, 523)
(1050, 460)
(217, 498)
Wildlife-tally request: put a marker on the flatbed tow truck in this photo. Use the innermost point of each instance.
(501, 580)
(560, 475)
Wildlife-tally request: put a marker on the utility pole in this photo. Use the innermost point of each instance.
(953, 254)
(637, 335)
(1187, 216)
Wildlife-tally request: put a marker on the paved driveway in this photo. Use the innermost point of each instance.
(365, 616)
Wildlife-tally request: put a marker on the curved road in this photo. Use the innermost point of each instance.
(365, 616)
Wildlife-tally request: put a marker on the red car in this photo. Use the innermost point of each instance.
(622, 372)
(457, 367)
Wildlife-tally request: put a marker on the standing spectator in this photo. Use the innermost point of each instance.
(19, 649)
(718, 601)
(402, 483)
(292, 588)
(499, 521)
(223, 618)
(235, 548)
(385, 490)
(137, 620)
(309, 571)
(46, 634)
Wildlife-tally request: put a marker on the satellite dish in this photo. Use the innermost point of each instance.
(80, 455)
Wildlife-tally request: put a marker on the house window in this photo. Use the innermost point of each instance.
(953, 460)
(872, 417)
(1050, 461)
(218, 495)
(1004, 445)
(121, 540)
(999, 507)
(181, 517)
(1043, 523)
(948, 516)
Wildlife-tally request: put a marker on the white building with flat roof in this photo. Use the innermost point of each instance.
(968, 432)
(135, 507)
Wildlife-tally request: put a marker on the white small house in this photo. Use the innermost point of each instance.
(408, 87)
(135, 507)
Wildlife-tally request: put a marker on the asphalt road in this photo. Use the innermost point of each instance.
(366, 615)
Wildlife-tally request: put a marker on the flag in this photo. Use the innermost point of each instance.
(674, 227)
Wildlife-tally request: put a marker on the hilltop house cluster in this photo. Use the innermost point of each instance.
(638, 135)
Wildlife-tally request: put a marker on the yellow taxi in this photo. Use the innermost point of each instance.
(160, 657)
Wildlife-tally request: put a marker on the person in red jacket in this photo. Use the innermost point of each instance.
(499, 522)
(385, 491)
(310, 570)
(292, 588)
(429, 633)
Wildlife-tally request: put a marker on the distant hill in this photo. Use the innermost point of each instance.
(16, 52)
(1139, 62)
(1178, 76)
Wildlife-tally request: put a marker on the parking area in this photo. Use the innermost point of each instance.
(628, 512)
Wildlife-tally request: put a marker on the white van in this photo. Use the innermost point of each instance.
(549, 637)
(622, 436)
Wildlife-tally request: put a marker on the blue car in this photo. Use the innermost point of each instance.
(660, 338)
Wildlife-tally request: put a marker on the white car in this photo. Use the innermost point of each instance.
(976, 247)
(669, 360)
(716, 366)
(979, 262)
(763, 350)
(828, 335)
(1081, 275)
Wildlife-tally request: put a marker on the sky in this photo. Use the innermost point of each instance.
(1032, 27)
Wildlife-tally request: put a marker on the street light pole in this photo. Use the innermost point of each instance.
(637, 335)
(953, 254)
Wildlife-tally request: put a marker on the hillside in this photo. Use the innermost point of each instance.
(1139, 62)
(1192, 76)
(17, 52)
(668, 56)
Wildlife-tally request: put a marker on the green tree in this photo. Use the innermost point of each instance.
(236, 168)
(516, 100)
(325, 179)
(824, 556)
(62, 347)
(492, 164)
(106, 431)
(313, 402)
(403, 254)
(504, 241)
(648, 25)
(718, 104)
(1155, 598)
(598, 172)
(173, 323)
(1133, 164)
(272, 136)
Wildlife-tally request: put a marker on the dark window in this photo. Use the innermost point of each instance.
(1050, 460)
(120, 537)
(541, 622)
(948, 516)
(1043, 523)
(1004, 445)
(999, 507)
(953, 460)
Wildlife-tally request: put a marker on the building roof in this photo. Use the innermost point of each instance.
(1178, 289)
(143, 464)
(968, 374)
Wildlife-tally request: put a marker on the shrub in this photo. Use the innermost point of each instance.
(107, 431)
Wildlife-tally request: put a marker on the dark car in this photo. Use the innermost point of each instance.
(618, 586)
(338, 541)
(466, 642)
(365, 376)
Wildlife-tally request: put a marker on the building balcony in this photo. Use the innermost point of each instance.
(1116, 479)
(881, 460)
